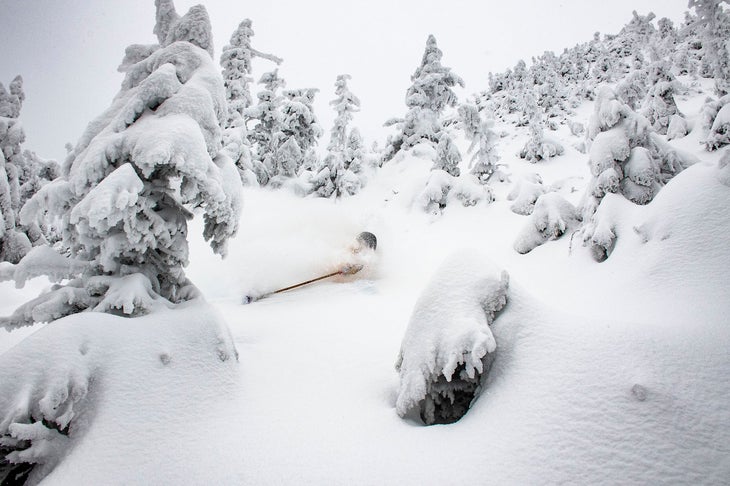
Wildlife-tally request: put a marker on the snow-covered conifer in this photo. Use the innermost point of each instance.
(632, 90)
(626, 157)
(659, 105)
(713, 22)
(429, 95)
(538, 147)
(131, 183)
(447, 156)
(720, 130)
(236, 60)
(337, 174)
(345, 105)
(484, 161)
(298, 126)
(22, 174)
(266, 134)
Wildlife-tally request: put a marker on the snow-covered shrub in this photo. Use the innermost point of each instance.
(442, 188)
(552, 217)
(677, 127)
(428, 96)
(524, 194)
(448, 346)
(434, 197)
(134, 178)
(720, 130)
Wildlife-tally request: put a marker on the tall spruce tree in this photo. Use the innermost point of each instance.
(236, 60)
(427, 98)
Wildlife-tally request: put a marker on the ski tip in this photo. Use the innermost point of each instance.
(367, 240)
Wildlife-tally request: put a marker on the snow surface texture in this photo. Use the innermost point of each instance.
(448, 345)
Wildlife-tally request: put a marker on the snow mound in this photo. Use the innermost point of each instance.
(69, 385)
(448, 345)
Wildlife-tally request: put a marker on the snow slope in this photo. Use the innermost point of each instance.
(608, 373)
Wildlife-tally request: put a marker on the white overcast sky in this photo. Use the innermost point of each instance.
(68, 51)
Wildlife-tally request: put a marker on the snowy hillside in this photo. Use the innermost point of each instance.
(573, 276)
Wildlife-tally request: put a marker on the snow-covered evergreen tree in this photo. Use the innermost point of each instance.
(22, 173)
(632, 90)
(429, 95)
(626, 157)
(659, 106)
(336, 176)
(236, 60)
(537, 147)
(266, 135)
(345, 104)
(713, 22)
(132, 181)
(484, 162)
(298, 135)
(447, 156)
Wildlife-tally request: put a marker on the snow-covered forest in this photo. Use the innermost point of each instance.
(524, 282)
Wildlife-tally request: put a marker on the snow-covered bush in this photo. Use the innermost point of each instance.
(552, 217)
(448, 346)
(720, 130)
(428, 96)
(524, 194)
(134, 178)
(677, 127)
(442, 188)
